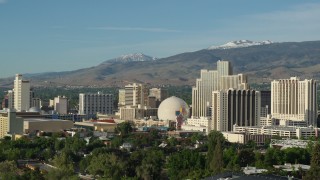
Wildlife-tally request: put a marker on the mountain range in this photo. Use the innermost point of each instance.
(261, 61)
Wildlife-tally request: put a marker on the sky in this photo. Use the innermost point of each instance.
(62, 35)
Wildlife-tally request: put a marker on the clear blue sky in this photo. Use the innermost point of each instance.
(59, 35)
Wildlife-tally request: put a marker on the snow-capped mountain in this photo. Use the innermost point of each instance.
(240, 44)
(131, 58)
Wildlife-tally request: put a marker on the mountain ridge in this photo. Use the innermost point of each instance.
(240, 44)
(131, 58)
(261, 63)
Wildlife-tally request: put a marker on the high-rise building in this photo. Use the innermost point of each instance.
(240, 107)
(36, 102)
(96, 103)
(122, 98)
(21, 94)
(265, 103)
(294, 100)
(61, 104)
(213, 80)
(159, 95)
(8, 100)
(136, 94)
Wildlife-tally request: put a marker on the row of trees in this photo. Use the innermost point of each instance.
(178, 160)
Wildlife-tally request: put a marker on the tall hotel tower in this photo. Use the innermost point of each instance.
(294, 100)
(240, 107)
(21, 94)
(213, 80)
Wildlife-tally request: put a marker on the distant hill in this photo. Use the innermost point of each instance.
(261, 62)
(131, 58)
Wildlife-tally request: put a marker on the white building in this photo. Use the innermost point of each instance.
(21, 94)
(295, 100)
(61, 104)
(94, 103)
(212, 80)
(290, 132)
(229, 107)
(202, 124)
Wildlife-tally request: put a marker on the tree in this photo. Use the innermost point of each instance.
(230, 158)
(215, 155)
(187, 163)
(8, 170)
(115, 167)
(273, 156)
(172, 141)
(251, 144)
(64, 167)
(217, 160)
(124, 128)
(107, 165)
(151, 165)
(33, 174)
(297, 155)
(259, 160)
(245, 157)
(314, 172)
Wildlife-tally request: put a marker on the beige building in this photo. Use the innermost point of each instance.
(132, 113)
(136, 94)
(295, 100)
(213, 80)
(60, 104)
(47, 125)
(244, 138)
(10, 123)
(98, 126)
(21, 94)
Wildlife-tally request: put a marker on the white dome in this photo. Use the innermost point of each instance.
(169, 107)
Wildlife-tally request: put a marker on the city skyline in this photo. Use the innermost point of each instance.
(46, 36)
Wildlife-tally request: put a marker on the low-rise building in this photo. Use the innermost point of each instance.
(289, 143)
(132, 112)
(253, 170)
(32, 125)
(244, 138)
(97, 126)
(292, 167)
(282, 131)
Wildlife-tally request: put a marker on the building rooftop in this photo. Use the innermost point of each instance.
(289, 143)
(292, 167)
(42, 120)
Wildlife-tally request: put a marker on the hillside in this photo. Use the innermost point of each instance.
(262, 63)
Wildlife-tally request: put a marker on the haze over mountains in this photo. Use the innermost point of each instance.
(261, 61)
